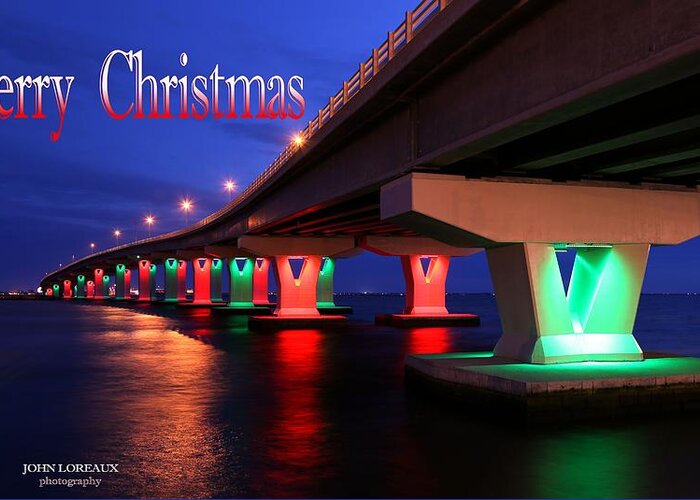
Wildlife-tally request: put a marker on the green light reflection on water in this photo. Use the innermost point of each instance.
(588, 463)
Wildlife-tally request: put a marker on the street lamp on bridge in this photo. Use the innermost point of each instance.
(92, 247)
(186, 205)
(149, 220)
(230, 186)
(117, 233)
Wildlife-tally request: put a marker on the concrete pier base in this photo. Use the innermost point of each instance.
(242, 310)
(197, 305)
(295, 322)
(333, 310)
(416, 320)
(524, 392)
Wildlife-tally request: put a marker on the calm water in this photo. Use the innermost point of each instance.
(194, 405)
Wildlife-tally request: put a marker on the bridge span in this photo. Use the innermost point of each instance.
(520, 128)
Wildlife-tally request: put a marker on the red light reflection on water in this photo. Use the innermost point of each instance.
(296, 453)
(432, 340)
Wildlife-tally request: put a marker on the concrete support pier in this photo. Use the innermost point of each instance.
(241, 268)
(101, 285)
(593, 321)
(206, 271)
(202, 280)
(297, 263)
(217, 268)
(144, 266)
(122, 278)
(425, 264)
(175, 271)
(325, 301)
(67, 289)
(260, 282)
(80, 287)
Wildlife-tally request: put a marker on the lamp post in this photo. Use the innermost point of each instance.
(149, 220)
(186, 205)
(117, 233)
(230, 186)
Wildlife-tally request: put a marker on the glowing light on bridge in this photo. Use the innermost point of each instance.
(298, 140)
(149, 220)
(230, 187)
(92, 247)
(117, 233)
(186, 205)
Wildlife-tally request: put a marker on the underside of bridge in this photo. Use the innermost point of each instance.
(357, 217)
(653, 137)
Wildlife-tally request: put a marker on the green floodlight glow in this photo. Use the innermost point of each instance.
(241, 286)
(582, 370)
(327, 266)
(80, 287)
(170, 266)
(217, 266)
(458, 355)
(324, 287)
(240, 264)
(589, 267)
(591, 321)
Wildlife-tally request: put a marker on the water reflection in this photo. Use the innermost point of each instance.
(588, 464)
(431, 340)
(296, 451)
(231, 413)
(155, 401)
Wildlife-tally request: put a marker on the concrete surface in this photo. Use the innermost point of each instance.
(295, 322)
(413, 320)
(661, 383)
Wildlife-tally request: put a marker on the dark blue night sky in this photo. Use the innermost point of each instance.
(104, 174)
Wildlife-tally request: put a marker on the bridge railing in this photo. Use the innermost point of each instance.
(396, 40)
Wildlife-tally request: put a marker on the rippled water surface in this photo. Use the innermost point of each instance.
(194, 405)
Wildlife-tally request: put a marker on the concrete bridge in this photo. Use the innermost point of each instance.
(518, 127)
